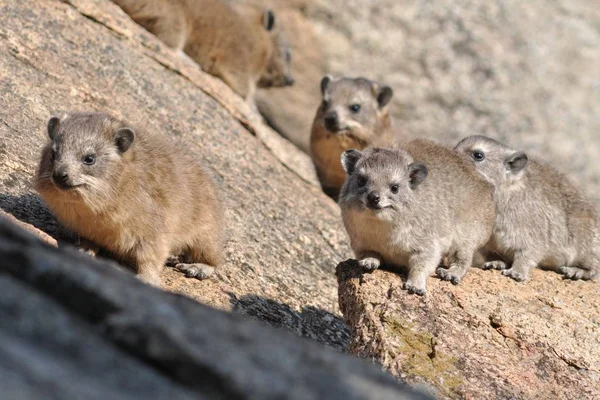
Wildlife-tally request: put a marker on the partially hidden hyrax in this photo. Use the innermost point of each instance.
(240, 44)
(353, 115)
(133, 192)
(412, 205)
(542, 218)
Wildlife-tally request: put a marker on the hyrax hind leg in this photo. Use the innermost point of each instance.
(200, 259)
(586, 269)
(460, 262)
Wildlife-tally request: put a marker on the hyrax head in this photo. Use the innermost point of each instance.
(278, 68)
(353, 105)
(380, 179)
(85, 152)
(495, 161)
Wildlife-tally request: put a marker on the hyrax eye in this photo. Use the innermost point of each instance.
(394, 189)
(362, 181)
(89, 159)
(355, 108)
(478, 156)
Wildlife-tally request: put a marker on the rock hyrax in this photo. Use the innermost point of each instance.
(132, 192)
(241, 44)
(353, 115)
(541, 217)
(411, 206)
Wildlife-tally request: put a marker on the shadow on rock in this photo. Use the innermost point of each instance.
(313, 323)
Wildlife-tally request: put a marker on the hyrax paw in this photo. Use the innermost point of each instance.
(172, 261)
(574, 273)
(198, 271)
(497, 264)
(446, 275)
(516, 275)
(369, 263)
(413, 289)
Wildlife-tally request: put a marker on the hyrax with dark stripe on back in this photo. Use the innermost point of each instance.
(412, 205)
(542, 218)
(133, 192)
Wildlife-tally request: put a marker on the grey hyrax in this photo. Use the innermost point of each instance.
(413, 205)
(541, 217)
(132, 192)
(240, 44)
(353, 115)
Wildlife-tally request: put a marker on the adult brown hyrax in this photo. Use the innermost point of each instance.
(353, 115)
(132, 192)
(412, 205)
(240, 44)
(541, 217)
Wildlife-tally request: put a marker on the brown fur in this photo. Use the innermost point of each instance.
(233, 42)
(542, 218)
(446, 211)
(371, 124)
(142, 204)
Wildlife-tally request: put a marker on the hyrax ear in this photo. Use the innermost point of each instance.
(516, 162)
(417, 173)
(325, 82)
(124, 139)
(349, 160)
(53, 126)
(268, 20)
(384, 95)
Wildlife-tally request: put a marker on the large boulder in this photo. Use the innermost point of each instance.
(78, 328)
(487, 338)
(285, 237)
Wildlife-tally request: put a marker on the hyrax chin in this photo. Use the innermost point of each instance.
(542, 219)
(413, 205)
(133, 193)
(241, 44)
(353, 115)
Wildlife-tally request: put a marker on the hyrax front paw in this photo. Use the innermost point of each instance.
(369, 264)
(497, 264)
(198, 271)
(414, 289)
(517, 275)
(448, 275)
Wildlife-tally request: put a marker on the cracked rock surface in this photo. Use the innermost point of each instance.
(285, 236)
(487, 338)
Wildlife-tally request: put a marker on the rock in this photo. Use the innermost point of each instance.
(285, 236)
(487, 338)
(32, 229)
(85, 329)
(527, 74)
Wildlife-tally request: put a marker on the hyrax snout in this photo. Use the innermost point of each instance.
(412, 205)
(542, 218)
(353, 115)
(132, 192)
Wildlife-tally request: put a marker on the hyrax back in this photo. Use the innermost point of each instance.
(240, 44)
(353, 115)
(133, 192)
(541, 217)
(411, 206)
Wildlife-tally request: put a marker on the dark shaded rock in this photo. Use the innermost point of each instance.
(76, 327)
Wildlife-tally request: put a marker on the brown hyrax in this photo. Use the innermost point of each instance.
(353, 115)
(541, 217)
(132, 192)
(240, 44)
(412, 205)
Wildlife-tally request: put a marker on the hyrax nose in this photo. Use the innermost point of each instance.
(373, 198)
(60, 176)
(331, 122)
(289, 81)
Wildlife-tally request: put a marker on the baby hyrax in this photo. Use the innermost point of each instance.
(413, 205)
(241, 44)
(353, 115)
(132, 192)
(541, 217)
